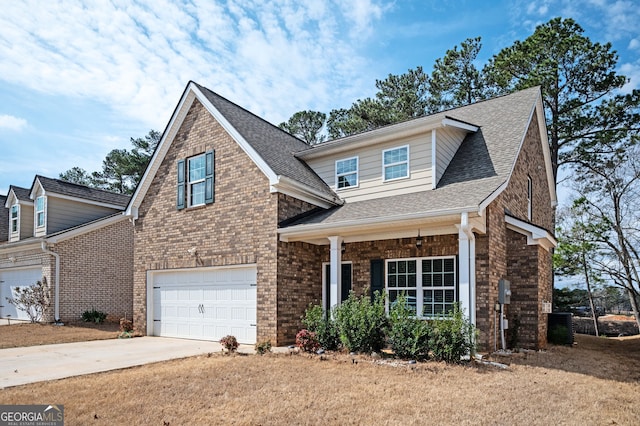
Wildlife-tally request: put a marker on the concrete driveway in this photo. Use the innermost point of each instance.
(19, 366)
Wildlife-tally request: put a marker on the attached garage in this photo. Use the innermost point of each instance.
(10, 279)
(203, 303)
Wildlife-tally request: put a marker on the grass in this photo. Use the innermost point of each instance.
(27, 334)
(595, 382)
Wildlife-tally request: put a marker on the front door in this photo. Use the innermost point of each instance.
(346, 284)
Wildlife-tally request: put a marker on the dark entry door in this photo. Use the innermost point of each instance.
(346, 284)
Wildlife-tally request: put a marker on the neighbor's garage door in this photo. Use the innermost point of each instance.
(10, 279)
(205, 304)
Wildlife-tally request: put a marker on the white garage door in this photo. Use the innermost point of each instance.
(10, 279)
(205, 304)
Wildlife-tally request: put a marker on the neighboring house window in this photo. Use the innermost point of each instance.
(195, 180)
(15, 210)
(427, 283)
(40, 206)
(529, 198)
(395, 163)
(347, 173)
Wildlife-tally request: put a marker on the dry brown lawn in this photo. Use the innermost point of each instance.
(27, 334)
(595, 382)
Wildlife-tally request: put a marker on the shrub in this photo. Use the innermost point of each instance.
(94, 316)
(452, 337)
(307, 341)
(230, 343)
(408, 335)
(361, 323)
(315, 319)
(34, 299)
(263, 347)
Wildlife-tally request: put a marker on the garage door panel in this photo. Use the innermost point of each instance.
(206, 304)
(11, 279)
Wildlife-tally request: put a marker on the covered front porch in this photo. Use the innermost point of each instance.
(431, 258)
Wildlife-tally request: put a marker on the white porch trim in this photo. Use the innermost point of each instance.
(467, 268)
(535, 234)
(335, 275)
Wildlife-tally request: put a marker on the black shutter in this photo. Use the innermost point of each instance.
(209, 181)
(181, 195)
(377, 277)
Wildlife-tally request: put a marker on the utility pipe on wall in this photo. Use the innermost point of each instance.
(56, 291)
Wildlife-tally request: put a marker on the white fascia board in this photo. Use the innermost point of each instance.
(546, 151)
(372, 137)
(485, 203)
(246, 147)
(450, 122)
(353, 226)
(80, 230)
(34, 188)
(535, 234)
(161, 150)
(303, 192)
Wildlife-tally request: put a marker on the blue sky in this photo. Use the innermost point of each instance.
(79, 78)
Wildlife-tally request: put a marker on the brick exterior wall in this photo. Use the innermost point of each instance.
(502, 253)
(96, 272)
(238, 228)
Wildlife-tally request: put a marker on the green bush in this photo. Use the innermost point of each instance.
(317, 321)
(94, 316)
(408, 335)
(361, 324)
(452, 337)
(263, 347)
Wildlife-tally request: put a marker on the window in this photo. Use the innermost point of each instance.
(529, 198)
(395, 163)
(347, 173)
(195, 184)
(429, 284)
(15, 209)
(40, 203)
(195, 180)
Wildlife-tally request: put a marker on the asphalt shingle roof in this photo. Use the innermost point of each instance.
(275, 146)
(80, 191)
(480, 166)
(22, 194)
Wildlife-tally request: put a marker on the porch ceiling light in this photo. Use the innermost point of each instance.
(418, 240)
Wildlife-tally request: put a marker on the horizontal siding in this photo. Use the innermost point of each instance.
(26, 221)
(65, 214)
(370, 178)
(448, 141)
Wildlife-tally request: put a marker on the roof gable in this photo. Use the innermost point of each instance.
(270, 148)
(17, 195)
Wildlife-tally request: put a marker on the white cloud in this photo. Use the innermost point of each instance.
(634, 44)
(272, 57)
(12, 123)
(632, 72)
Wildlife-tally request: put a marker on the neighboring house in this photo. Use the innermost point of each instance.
(239, 225)
(4, 220)
(74, 236)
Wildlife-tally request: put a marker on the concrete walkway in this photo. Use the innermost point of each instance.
(19, 366)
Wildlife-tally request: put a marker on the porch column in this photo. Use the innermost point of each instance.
(335, 257)
(467, 277)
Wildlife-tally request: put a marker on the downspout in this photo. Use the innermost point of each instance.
(56, 292)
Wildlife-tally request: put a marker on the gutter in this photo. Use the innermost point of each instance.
(56, 294)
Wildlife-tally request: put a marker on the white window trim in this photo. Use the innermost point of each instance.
(44, 212)
(419, 287)
(384, 166)
(529, 198)
(357, 173)
(190, 183)
(17, 220)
